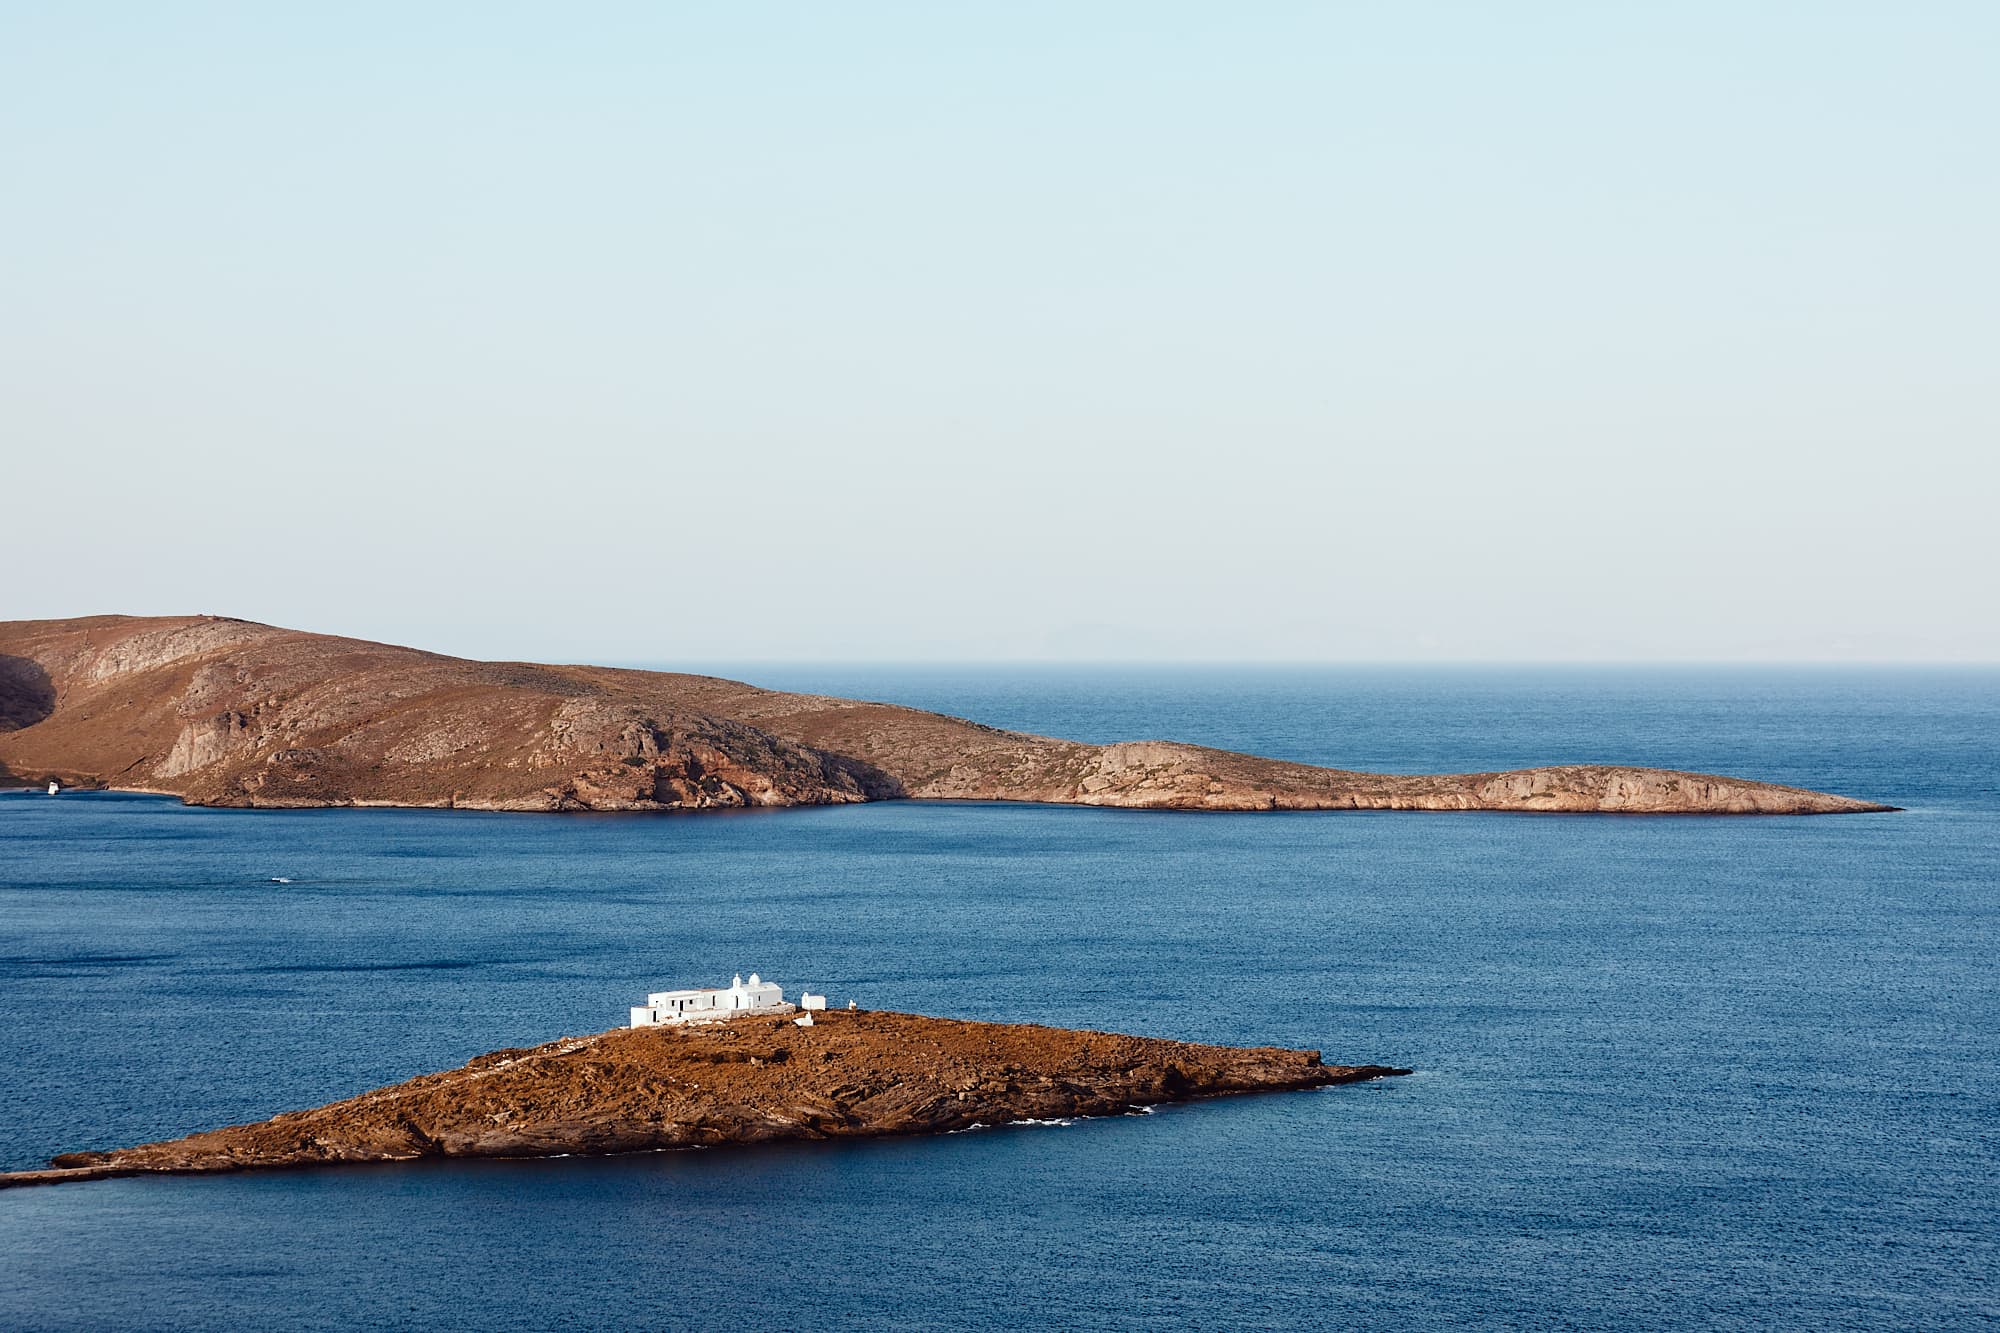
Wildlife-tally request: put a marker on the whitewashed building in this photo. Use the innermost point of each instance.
(708, 1004)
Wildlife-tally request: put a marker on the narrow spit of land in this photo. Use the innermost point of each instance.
(749, 1080)
(227, 712)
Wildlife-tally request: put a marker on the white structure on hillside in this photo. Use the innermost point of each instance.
(709, 1004)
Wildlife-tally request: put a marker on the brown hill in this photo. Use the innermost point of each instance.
(227, 712)
(750, 1080)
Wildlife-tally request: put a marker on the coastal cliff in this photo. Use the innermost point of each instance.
(748, 1080)
(228, 712)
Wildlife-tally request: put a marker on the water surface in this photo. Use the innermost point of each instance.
(1674, 1071)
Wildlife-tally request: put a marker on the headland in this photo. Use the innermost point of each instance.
(231, 713)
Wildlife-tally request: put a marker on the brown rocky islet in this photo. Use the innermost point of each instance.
(852, 1074)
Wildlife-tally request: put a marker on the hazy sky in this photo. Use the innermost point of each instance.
(735, 331)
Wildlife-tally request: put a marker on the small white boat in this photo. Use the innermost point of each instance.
(54, 786)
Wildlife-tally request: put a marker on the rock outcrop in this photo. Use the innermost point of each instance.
(225, 712)
(749, 1080)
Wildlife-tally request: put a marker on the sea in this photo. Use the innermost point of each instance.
(1672, 1072)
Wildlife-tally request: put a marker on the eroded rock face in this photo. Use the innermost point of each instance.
(750, 1080)
(203, 743)
(165, 643)
(222, 712)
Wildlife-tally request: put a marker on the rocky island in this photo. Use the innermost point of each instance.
(852, 1074)
(227, 712)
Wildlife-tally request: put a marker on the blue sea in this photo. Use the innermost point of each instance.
(1673, 1072)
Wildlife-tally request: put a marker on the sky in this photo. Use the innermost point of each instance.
(1132, 332)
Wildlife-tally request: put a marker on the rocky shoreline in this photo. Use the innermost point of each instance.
(852, 1074)
(230, 713)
